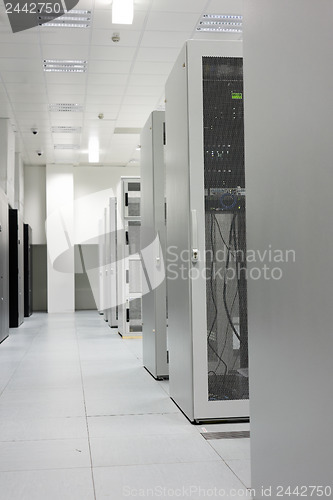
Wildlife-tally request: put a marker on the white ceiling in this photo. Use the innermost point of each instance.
(124, 81)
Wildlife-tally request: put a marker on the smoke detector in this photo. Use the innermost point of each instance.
(115, 37)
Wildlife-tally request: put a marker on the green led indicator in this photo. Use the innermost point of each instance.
(237, 95)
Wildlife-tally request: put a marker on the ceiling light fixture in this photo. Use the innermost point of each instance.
(64, 129)
(221, 23)
(93, 150)
(71, 19)
(66, 108)
(66, 146)
(122, 11)
(65, 66)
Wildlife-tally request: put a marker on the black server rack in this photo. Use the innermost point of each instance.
(27, 270)
(16, 296)
(4, 291)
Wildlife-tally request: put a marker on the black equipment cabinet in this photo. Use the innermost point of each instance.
(27, 270)
(16, 294)
(4, 269)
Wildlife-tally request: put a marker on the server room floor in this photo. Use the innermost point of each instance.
(80, 419)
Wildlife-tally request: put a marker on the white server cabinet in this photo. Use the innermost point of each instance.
(154, 323)
(207, 322)
(129, 260)
(101, 251)
(106, 264)
(111, 234)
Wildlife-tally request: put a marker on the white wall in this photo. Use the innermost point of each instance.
(60, 238)
(19, 184)
(288, 78)
(7, 159)
(35, 202)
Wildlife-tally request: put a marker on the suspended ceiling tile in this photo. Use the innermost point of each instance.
(112, 53)
(64, 118)
(104, 99)
(140, 90)
(149, 80)
(66, 78)
(30, 107)
(109, 67)
(62, 88)
(136, 100)
(160, 21)
(28, 120)
(103, 20)
(65, 36)
(179, 6)
(26, 88)
(95, 89)
(13, 77)
(96, 79)
(165, 38)
(16, 50)
(23, 37)
(20, 64)
(157, 54)
(5, 110)
(134, 120)
(225, 7)
(72, 52)
(64, 98)
(152, 68)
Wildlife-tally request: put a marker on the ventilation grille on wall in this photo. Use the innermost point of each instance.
(221, 23)
(61, 107)
(65, 65)
(71, 19)
(66, 146)
(63, 129)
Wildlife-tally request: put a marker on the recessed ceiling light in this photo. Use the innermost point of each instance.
(66, 146)
(63, 129)
(65, 65)
(221, 23)
(64, 107)
(71, 19)
(93, 150)
(122, 12)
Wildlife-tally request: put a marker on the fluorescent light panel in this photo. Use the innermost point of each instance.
(226, 23)
(93, 150)
(122, 11)
(71, 19)
(66, 107)
(63, 129)
(64, 66)
(66, 146)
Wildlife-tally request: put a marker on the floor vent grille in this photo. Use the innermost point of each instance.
(226, 435)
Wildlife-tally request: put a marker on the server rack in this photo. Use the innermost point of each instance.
(207, 303)
(16, 289)
(4, 269)
(27, 270)
(113, 259)
(153, 240)
(106, 264)
(101, 259)
(129, 263)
